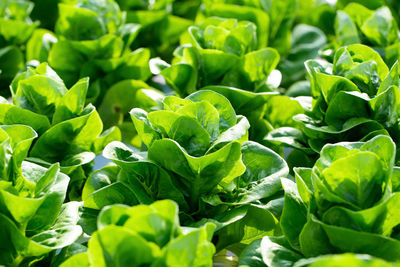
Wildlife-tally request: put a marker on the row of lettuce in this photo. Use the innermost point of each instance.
(125, 47)
(232, 193)
(209, 152)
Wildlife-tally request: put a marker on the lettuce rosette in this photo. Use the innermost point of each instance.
(93, 41)
(278, 27)
(145, 235)
(219, 51)
(357, 24)
(34, 221)
(346, 203)
(197, 155)
(355, 98)
(70, 132)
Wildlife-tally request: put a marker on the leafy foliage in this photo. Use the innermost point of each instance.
(33, 217)
(345, 203)
(69, 132)
(264, 133)
(219, 51)
(16, 27)
(355, 98)
(145, 235)
(210, 168)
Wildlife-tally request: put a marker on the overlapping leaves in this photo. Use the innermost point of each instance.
(345, 203)
(33, 217)
(69, 132)
(145, 235)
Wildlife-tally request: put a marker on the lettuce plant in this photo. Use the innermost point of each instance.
(33, 217)
(69, 132)
(202, 131)
(346, 203)
(376, 28)
(216, 29)
(93, 40)
(145, 235)
(355, 98)
(16, 27)
(197, 156)
(274, 21)
(219, 51)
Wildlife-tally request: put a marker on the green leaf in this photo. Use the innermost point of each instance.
(65, 59)
(125, 95)
(16, 32)
(269, 251)
(110, 194)
(117, 245)
(51, 188)
(345, 29)
(81, 259)
(143, 126)
(186, 131)
(349, 179)
(148, 181)
(77, 23)
(181, 250)
(11, 61)
(246, 227)
(39, 93)
(181, 77)
(10, 114)
(294, 214)
(281, 109)
(377, 219)
(112, 215)
(243, 13)
(362, 53)
(205, 113)
(215, 64)
(157, 223)
(39, 45)
(306, 41)
(69, 137)
(313, 240)
(345, 106)
(258, 65)
(227, 115)
(264, 168)
(237, 132)
(72, 103)
(381, 28)
(343, 239)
